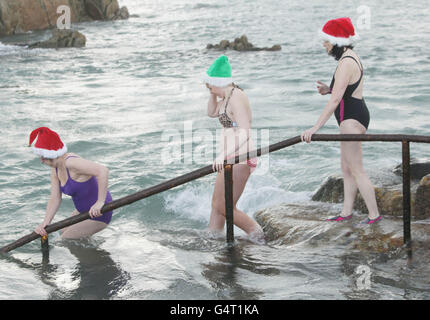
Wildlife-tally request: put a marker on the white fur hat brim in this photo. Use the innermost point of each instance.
(50, 154)
(217, 81)
(341, 42)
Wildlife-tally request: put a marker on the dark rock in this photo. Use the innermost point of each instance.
(276, 47)
(94, 9)
(122, 14)
(422, 199)
(240, 44)
(224, 44)
(304, 224)
(105, 10)
(25, 15)
(419, 168)
(389, 198)
(331, 190)
(62, 39)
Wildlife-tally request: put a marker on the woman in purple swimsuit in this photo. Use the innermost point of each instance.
(348, 105)
(85, 181)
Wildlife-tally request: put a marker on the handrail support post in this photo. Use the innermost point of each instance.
(228, 196)
(44, 243)
(406, 193)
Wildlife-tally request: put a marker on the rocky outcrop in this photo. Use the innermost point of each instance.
(240, 44)
(331, 190)
(296, 223)
(25, 15)
(105, 10)
(418, 168)
(304, 224)
(388, 198)
(422, 198)
(62, 39)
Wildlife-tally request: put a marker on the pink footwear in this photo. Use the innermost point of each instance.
(339, 218)
(370, 221)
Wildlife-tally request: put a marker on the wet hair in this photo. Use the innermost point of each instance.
(236, 86)
(337, 51)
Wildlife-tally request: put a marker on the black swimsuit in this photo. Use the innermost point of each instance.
(350, 107)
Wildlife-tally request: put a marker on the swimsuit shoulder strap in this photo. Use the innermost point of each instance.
(228, 100)
(67, 169)
(360, 66)
(352, 87)
(72, 156)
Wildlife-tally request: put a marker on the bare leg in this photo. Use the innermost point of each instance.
(241, 174)
(217, 218)
(349, 186)
(82, 229)
(352, 159)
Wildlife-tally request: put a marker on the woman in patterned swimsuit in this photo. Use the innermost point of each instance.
(234, 113)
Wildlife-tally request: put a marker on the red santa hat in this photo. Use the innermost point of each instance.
(339, 32)
(48, 144)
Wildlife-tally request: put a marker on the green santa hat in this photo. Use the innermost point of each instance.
(219, 73)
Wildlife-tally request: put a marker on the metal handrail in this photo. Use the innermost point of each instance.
(405, 139)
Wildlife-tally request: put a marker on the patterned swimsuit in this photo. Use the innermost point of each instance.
(227, 122)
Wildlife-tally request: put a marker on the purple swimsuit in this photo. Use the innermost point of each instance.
(85, 194)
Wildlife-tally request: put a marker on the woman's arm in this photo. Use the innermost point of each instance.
(323, 89)
(343, 76)
(90, 168)
(53, 204)
(213, 106)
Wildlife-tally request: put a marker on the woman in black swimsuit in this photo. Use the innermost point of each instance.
(352, 115)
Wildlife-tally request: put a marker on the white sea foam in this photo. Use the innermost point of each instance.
(8, 49)
(194, 202)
